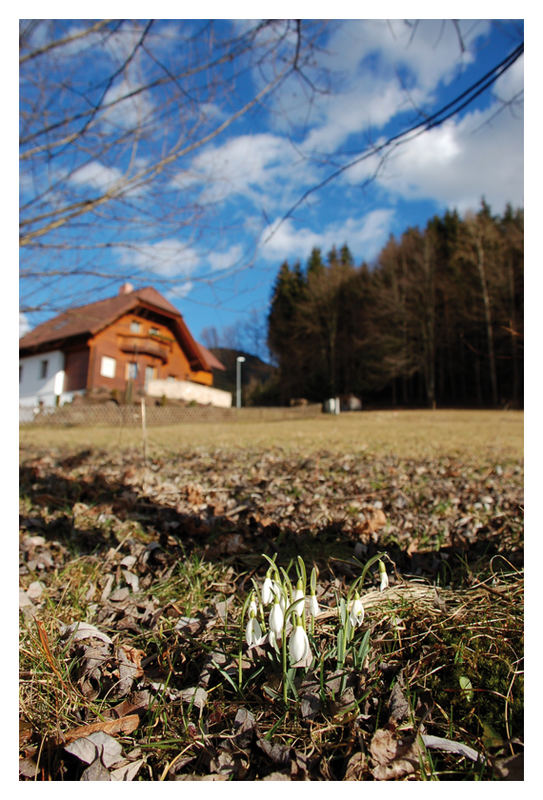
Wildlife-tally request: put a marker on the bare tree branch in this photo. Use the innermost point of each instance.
(66, 40)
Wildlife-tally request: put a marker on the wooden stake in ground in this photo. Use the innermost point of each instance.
(144, 431)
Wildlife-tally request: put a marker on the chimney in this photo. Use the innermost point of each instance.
(126, 288)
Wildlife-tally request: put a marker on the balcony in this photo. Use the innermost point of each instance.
(143, 344)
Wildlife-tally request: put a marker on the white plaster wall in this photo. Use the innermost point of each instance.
(32, 388)
(187, 390)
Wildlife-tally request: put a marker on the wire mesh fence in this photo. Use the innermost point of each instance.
(111, 414)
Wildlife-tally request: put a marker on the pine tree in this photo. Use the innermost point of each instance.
(345, 256)
(283, 340)
(315, 263)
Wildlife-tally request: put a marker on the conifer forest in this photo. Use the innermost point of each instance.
(436, 320)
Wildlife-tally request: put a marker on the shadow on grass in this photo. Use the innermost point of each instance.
(61, 509)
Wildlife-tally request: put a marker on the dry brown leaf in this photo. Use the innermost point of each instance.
(356, 767)
(394, 771)
(98, 746)
(276, 776)
(412, 546)
(510, 769)
(393, 758)
(96, 772)
(195, 695)
(26, 732)
(130, 668)
(133, 657)
(397, 704)
(123, 725)
(376, 520)
(28, 768)
(127, 772)
(136, 701)
(83, 630)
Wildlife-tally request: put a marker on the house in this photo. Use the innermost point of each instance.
(130, 345)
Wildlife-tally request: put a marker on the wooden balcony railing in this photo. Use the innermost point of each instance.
(133, 343)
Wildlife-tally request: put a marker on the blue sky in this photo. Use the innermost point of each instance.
(383, 77)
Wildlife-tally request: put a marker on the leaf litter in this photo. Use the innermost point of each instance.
(137, 573)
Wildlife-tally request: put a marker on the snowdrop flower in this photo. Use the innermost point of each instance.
(298, 643)
(314, 609)
(298, 598)
(277, 619)
(253, 609)
(356, 611)
(253, 632)
(384, 577)
(268, 592)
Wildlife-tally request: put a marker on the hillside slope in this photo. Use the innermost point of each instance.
(253, 369)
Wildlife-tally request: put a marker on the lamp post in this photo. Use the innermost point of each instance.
(239, 361)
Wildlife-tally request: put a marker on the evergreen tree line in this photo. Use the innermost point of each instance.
(437, 319)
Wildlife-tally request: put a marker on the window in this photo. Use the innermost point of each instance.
(132, 370)
(107, 367)
(43, 368)
(135, 326)
(153, 331)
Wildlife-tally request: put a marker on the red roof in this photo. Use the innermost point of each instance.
(90, 319)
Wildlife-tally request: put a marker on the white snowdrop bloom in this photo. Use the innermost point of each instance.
(267, 591)
(356, 611)
(253, 631)
(277, 619)
(253, 609)
(384, 577)
(298, 644)
(314, 609)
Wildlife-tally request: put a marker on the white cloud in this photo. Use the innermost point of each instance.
(365, 237)
(166, 258)
(457, 163)
(511, 82)
(104, 179)
(263, 168)
(367, 105)
(367, 58)
(97, 176)
(220, 261)
(130, 112)
(178, 292)
(24, 325)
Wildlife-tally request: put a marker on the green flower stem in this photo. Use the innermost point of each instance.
(284, 654)
(360, 579)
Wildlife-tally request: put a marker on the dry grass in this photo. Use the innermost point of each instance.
(406, 434)
(452, 617)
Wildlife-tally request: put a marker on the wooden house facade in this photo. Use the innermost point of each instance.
(127, 345)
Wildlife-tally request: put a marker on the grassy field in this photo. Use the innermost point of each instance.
(139, 655)
(403, 433)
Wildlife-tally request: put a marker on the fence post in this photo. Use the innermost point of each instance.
(144, 430)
